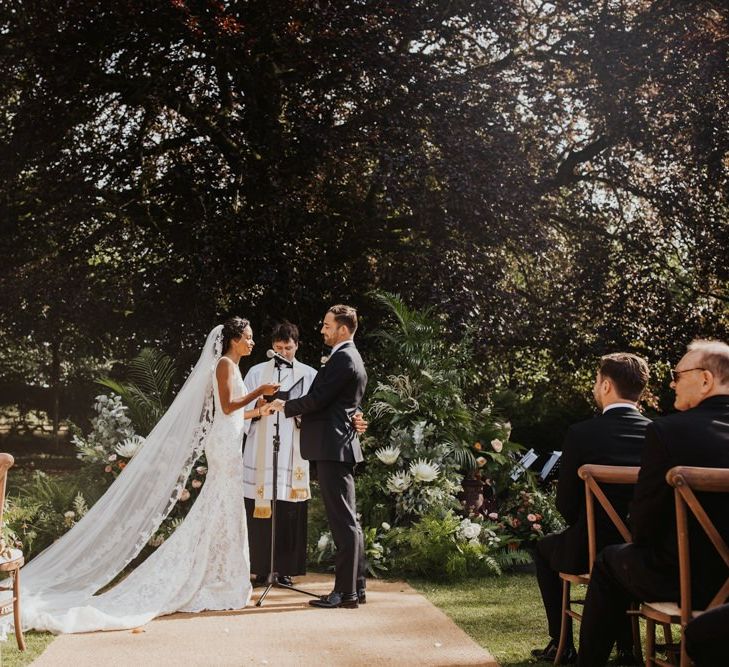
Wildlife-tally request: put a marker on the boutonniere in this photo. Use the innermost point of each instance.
(324, 359)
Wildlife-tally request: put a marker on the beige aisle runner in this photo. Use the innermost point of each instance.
(397, 626)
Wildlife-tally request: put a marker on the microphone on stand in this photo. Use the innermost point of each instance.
(279, 359)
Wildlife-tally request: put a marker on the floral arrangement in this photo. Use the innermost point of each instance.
(112, 442)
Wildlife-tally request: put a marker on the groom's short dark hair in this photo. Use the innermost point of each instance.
(628, 372)
(285, 331)
(345, 316)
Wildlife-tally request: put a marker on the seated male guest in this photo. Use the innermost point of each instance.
(647, 569)
(615, 437)
(705, 637)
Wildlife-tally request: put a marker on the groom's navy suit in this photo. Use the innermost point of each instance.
(328, 437)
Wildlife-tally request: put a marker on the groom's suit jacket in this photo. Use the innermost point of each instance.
(335, 394)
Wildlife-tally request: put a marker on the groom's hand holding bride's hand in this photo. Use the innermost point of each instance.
(278, 404)
(267, 409)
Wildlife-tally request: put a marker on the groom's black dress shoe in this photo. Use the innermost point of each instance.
(336, 600)
(362, 595)
(285, 580)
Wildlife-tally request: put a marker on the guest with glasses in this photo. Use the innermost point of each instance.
(647, 569)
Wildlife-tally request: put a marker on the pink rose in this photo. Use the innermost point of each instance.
(493, 516)
(481, 461)
(531, 517)
(497, 445)
(185, 495)
(107, 469)
(196, 483)
(537, 526)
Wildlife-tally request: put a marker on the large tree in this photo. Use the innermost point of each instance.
(553, 173)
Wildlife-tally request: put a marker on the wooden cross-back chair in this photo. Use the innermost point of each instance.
(685, 481)
(11, 561)
(593, 476)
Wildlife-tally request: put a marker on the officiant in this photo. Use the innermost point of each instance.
(293, 489)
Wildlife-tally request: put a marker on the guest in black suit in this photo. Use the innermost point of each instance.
(647, 569)
(706, 637)
(329, 438)
(615, 437)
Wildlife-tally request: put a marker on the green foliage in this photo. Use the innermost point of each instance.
(432, 547)
(149, 389)
(45, 509)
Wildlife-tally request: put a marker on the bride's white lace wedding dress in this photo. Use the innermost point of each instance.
(204, 564)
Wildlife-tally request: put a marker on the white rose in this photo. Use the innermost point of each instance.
(497, 445)
(385, 525)
(323, 542)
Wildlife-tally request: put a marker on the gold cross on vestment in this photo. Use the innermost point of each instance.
(299, 474)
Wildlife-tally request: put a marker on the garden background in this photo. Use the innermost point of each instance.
(539, 183)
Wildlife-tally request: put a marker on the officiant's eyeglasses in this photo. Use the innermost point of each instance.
(675, 374)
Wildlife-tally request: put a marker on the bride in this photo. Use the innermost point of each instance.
(205, 563)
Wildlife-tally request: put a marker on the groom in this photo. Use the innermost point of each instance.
(328, 437)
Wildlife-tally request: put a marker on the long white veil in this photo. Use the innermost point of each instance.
(121, 522)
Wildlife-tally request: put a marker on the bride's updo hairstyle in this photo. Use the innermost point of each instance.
(233, 328)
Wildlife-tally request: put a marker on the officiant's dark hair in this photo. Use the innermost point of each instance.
(285, 331)
(233, 328)
(629, 373)
(345, 315)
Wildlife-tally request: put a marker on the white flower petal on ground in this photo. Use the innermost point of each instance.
(388, 455)
(398, 482)
(423, 470)
(129, 447)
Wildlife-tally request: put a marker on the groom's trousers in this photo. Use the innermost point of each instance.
(336, 483)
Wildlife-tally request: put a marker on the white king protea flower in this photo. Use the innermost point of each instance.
(129, 447)
(399, 482)
(388, 455)
(423, 470)
(469, 530)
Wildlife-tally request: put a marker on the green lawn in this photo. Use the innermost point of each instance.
(503, 614)
(37, 642)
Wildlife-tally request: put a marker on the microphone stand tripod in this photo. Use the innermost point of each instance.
(272, 578)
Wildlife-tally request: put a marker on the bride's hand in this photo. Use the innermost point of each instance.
(267, 409)
(269, 389)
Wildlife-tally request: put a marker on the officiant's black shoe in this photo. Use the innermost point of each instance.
(362, 595)
(336, 600)
(285, 580)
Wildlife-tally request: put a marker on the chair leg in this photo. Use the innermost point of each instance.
(563, 629)
(685, 661)
(637, 647)
(16, 611)
(650, 642)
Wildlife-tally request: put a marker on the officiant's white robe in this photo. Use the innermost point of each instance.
(257, 375)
